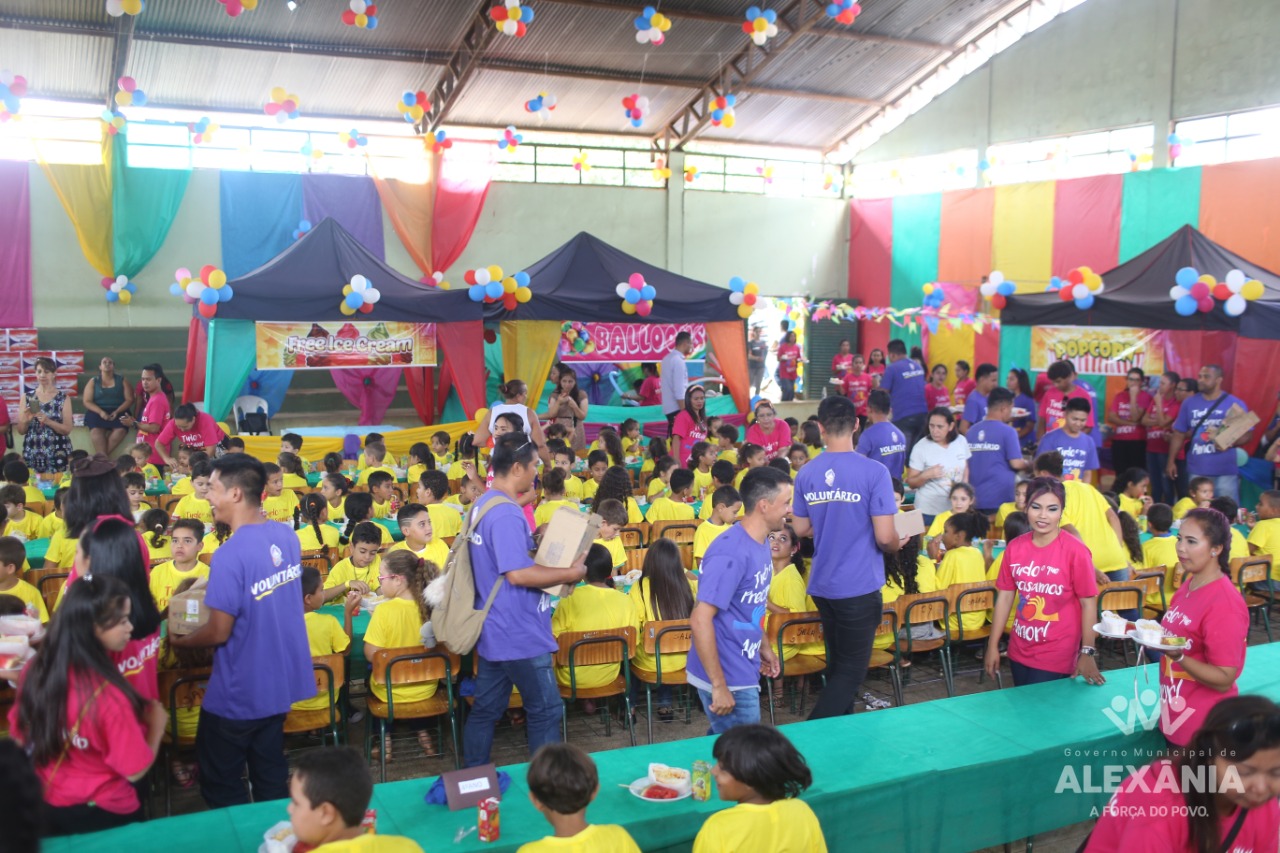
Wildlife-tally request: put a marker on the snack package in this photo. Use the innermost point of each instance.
(701, 781)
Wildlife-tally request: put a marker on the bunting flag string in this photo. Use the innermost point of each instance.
(909, 318)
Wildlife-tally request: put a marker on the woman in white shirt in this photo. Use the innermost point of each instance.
(937, 462)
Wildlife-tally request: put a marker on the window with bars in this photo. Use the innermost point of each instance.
(1248, 135)
(1104, 152)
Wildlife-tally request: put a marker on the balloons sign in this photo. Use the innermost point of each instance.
(844, 11)
(12, 88)
(361, 14)
(651, 26)
(440, 142)
(359, 295)
(352, 138)
(1081, 285)
(282, 105)
(202, 131)
(436, 279)
(206, 291)
(1194, 292)
(511, 19)
(235, 7)
(116, 8)
(637, 295)
(309, 150)
(722, 111)
(576, 337)
(661, 172)
(744, 294)
(996, 288)
(933, 295)
(636, 108)
(413, 105)
(304, 226)
(119, 289)
(128, 94)
(580, 163)
(489, 284)
(510, 139)
(541, 106)
(760, 25)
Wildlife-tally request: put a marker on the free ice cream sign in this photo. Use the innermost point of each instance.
(313, 346)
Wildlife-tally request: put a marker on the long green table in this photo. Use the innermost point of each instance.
(946, 775)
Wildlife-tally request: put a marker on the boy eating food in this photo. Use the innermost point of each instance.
(185, 544)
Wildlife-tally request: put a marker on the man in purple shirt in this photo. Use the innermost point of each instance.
(904, 380)
(729, 651)
(975, 405)
(995, 455)
(516, 644)
(882, 441)
(1078, 449)
(1200, 418)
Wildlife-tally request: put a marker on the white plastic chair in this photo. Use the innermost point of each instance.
(250, 404)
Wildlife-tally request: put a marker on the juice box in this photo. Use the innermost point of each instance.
(490, 827)
(701, 780)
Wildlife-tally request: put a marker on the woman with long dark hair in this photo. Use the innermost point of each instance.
(568, 406)
(44, 422)
(1020, 384)
(690, 425)
(663, 593)
(1219, 795)
(96, 490)
(1125, 415)
(90, 734)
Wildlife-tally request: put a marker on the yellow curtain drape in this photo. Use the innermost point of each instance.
(1022, 234)
(267, 447)
(85, 193)
(410, 208)
(949, 345)
(528, 350)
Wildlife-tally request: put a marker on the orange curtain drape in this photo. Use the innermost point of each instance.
(728, 341)
(410, 208)
(964, 247)
(1238, 201)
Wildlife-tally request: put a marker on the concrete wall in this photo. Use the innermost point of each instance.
(1105, 64)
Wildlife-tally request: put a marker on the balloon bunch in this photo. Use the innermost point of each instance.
(580, 163)
(690, 174)
(1175, 149)
(765, 172)
(828, 180)
(510, 139)
(637, 295)
(359, 295)
(282, 105)
(208, 290)
(202, 131)
(636, 108)
(119, 289)
(304, 228)
(761, 25)
(12, 88)
(352, 138)
(413, 105)
(116, 8)
(436, 279)
(722, 111)
(661, 171)
(128, 94)
(997, 289)
(489, 284)
(576, 337)
(114, 123)
(933, 295)
(441, 142)
(1080, 285)
(235, 7)
(1194, 292)
(361, 14)
(651, 26)
(844, 11)
(541, 106)
(510, 18)
(309, 150)
(744, 294)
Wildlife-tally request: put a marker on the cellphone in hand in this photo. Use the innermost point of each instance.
(33, 404)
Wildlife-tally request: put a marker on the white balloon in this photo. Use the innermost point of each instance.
(759, 38)
(622, 289)
(194, 289)
(1177, 292)
(437, 277)
(1235, 305)
(642, 36)
(122, 280)
(482, 276)
(511, 3)
(771, 31)
(988, 289)
(735, 298)
(996, 278)
(359, 282)
(116, 287)
(509, 27)
(115, 8)
(1102, 285)
(372, 295)
(358, 6)
(1235, 279)
(1079, 291)
(548, 101)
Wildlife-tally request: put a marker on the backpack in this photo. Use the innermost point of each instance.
(456, 621)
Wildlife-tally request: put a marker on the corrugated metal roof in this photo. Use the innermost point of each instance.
(58, 66)
(765, 119)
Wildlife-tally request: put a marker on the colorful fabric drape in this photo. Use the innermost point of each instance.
(259, 213)
(964, 238)
(462, 183)
(729, 345)
(410, 208)
(461, 343)
(232, 351)
(15, 245)
(144, 203)
(871, 262)
(1086, 224)
(1154, 205)
(370, 390)
(917, 223)
(193, 372)
(528, 350)
(1022, 234)
(85, 193)
(1240, 208)
(351, 202)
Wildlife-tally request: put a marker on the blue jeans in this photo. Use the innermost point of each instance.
(788, 387)
(1227, 484)
(1024, 675)
(224, 747)
(543, 708)
(1162, 488)
(746, 710)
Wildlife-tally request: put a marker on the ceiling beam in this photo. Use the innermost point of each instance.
(459, 68)
(805, 94)
(119, 55)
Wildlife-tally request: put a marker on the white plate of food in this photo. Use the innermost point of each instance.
(646, 789)
(1101, 631)
(1019, 412)
(1167, 643)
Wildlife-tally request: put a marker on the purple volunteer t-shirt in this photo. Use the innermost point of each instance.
(992, 446)
(904, 380)
(885, 443)
(735, 577)
(1079, 454)
(1204, 459)
(975, 407)
(519, 623)
(265, 665)
(840, 493)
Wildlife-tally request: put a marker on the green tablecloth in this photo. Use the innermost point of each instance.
(36, 549)
(392, 526)
(359, 624)
(947, 775)
(314, 477)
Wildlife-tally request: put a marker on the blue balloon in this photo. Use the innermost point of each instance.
(372, 23)
(4, 91)
(408, 118)
(717, 114)
(737, 283)
(225, 294)
(522, 279)
(633, 296)
(139, 98)
(176, 289)
(476, 293)
(526, 15)
(984, 165)
(771, 16)
(1006, 288)
(648, 292)
(354, 299)
(753, 12)
(209, 296)
(502, 143)
(649, 11)
(730, 100)
(112, 296)
(1186, 276)
(409, 99)
(364, 140)
(131, 287)
(12, 104)
(635, 122)
(1085, 302)
(833, 10)
(493, 290)
(1186, 306)
(304, 225)
(642, 23)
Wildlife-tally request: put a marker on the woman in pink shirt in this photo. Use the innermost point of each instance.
(842, 363)
(875, 362)
(769, 432)
(91, 736)
(691, 424)
(1125, 415)
(789, 358)
(936, 392)
(1160, 415)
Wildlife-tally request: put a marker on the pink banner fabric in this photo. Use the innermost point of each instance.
(368, 389)
(871, 263)
(634, 341)
(1086, 223)
(463, 183)
(15, 246)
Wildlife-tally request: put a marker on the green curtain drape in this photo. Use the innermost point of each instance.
(1154, 204)
(917, 229)
(1015, 348)
(232, 354)
(144, 203)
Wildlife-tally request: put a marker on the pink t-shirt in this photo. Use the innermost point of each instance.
(204, 432)
(841, 364)
(1051, 406)
(963, 388)
(1158, 437)
(788, 360)
(1148, 814)
(935, 396)
(857, 387)
(110, 745)
(1215, 621)
(875, 369)
(1120, 406)
(155, 412)
(651, 391)
(686, 433)
(137, 663)
(775, 443)
(1050, 582)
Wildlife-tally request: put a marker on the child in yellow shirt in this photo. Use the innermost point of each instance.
(1239, 547)
(597, 464)
(382, 488)
(676, 507)
(154, 526)
(440, 449)
(313, 534)
(433, 488)
(374, 456)
(12, 556)
(141, 453)
(279, 503)
(563, 781)
(613, 517)
(701, 458)
(23, 525)
(722, 474)
(596, 606)
(1264, 538)
(186, 542)
(420, 461)
(1201, 492)
(1019, 504)
(295, 476)
(359, 507)
(727, 443)
(563, 458)
(963, 563)
(196, 504)
(553, 496)
(1161, 550)
(660, 484)
(962, 498)
(787, 591)
(329, 793)
(751, 456)
(54, 523)
(135, 488)
(214, 538)
(325, 634)
(725, 503)
(359, 571)
(415, 525)
(798, 456)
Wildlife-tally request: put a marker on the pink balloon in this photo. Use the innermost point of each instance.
(181, 273)
(127, 83)
(288, 105)
(107, 281)
(1199, 290)
(636, 280)
(272, 108)
(1205, 304)
(643, 308)
(186, 297)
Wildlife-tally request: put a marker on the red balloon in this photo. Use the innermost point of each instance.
(366, 308)
(205, 271)
(1075, 277)
(421, 98)
(1221, 292)
(520, 30)
(490, 336)
(998, 301)
(371, 10)
(207, 311)
(1205, 304)
(469, 276)
(749, 299)
(747, 28)
(1200, 291)
(349, 18)
(498, 13)
(1065, 294)
(509, 301)
(643, 308)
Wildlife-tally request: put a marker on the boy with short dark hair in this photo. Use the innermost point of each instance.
(1079, 453)
(727, 443)
(135, 486)
(196, 504)
(325, 634)
(722, 474)
(597, 464)
(563, 458)
(676, 507)
(290, 442)
(12, 557)
(141, 454)
(125, 464)
(329, 794)
(382, 484)
(279, 503)
(433, 488)
(1160, 550)
(726, 504)
(1264, 538)
(562, 782)
(1200, 494)
(415, 524)
(22, 524)
(16, 473)
(613, 517)
(235, 444)
(374, 458)
(553, 496)
(185, 543)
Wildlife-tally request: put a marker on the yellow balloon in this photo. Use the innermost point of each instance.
(728, 121)
(346, 290)
(1092, 280)
(416, 111)
(444, 285)
(751, 287)
(117, 122)
(362, 21)
(1252, 290)
(124, 98)
(184, 282)
(509, 285)
(628, 308)
(249, 4)
(346, 309)
(217, 279)
(928, 289)
(402, 106)
(744, 311)
(125, 297)
(131, 7)
(760, 25)
(523, 294)
(1208, 279)
(278, 94)
(316, 154)
(495, 273)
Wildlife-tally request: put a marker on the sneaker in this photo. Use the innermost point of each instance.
(875, 703)
(356, 716)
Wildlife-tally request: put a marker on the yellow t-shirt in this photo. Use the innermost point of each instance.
(963, 565)
(27, 529)
(61, 553)
(457, 473)
(642, 600)
(281, 507)
(346, 571)
(992, 573)
(926, 581)
(573, 488)
(158, 552)
(31, 597)
(397, 623)
(788, 825)
(166, 577)
(634, 515)
(597, 838)
(210, 542)
(382, 510)
(364, 474)
(371, 844)
(657, 488)
(730, 456)
(445, 520)
(616, 551)
(325, 637)
(592, 608)
(435, 552)
(1004, 512)
(542, 515)
(787, 591)
(1161, 551)
(51, 526)
(1086, 509)
(705, 535)
(665, 509)
(1265, 536)
(701, 484)
(34, 497)
(193, 507)
(1239, 545)
(1133, 506)
(939, 524)
(708, 506)
(150, 472)
(294, 481)
(307, 537)
(1183, 507)
(443, 460)
(813, 451)
(589, 489)
(737, 481)
(387, 538)
(184, 486)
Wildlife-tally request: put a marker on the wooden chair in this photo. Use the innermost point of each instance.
(1179, 575)
(180, 690)
(888, 658)
(686, 557)
(635, 558)
(206, 558)
(1118, 596)
(1251, 580)
(168, 502)
(318, 560)
(592, 648)
(634, 535)
(974, 597)
(679, 532)
(923, 608)
(49, 582)
(1156, 574)
(666, 637)
(330, 672)
(392, 668)
(795, 629)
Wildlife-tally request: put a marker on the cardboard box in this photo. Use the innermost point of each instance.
(569, 533)
(909, 523)
(187, 611)
(1238, 422)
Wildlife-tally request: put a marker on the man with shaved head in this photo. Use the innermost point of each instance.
(1198, 422)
